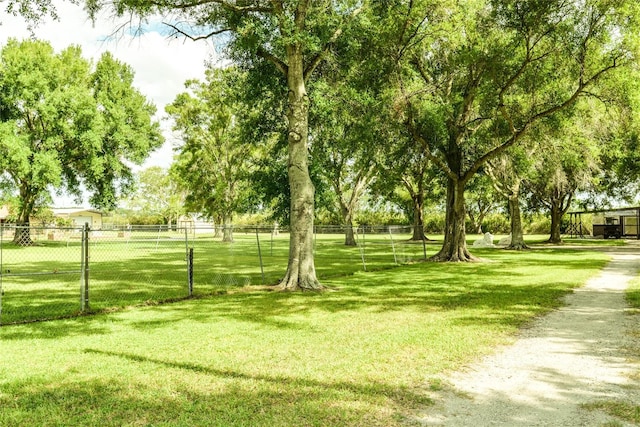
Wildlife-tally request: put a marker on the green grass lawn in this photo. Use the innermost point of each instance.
(43, 281)
(364, 353)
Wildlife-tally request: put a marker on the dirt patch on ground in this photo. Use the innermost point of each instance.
(576, 355)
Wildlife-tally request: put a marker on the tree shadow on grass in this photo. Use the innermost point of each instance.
(218, 397)
(508, 289)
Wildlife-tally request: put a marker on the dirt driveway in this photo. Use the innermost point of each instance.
(572, 356)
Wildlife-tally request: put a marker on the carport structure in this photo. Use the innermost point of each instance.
(615, 222)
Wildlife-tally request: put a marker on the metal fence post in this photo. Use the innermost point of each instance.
(84, 287)
(424, 243)
(260, 255)
(189, 259)
(158, 238)
(190, 271)
(361, 247)
(393, 247)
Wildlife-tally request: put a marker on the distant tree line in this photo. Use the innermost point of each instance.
(334, 108)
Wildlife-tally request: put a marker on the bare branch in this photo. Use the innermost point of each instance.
(194, 38)
(413, 39)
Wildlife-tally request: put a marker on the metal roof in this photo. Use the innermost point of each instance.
(628, 211)
(69, 211)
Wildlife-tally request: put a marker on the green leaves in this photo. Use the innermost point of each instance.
(66, 126)
(213, 160)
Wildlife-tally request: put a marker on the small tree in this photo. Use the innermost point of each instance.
(343, 145)
(508, 172)
(481, 201)
(157, 193)
(570, 162)
(213, 162)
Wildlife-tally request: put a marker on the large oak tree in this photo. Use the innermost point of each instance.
(295, 37)
(492, 70)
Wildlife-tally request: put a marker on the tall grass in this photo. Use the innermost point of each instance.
(363, 353)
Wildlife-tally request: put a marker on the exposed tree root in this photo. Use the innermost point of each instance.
(294, 283)
(457, 256)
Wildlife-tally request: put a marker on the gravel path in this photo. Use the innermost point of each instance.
(570, 357)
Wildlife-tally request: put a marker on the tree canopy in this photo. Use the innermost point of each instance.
(68, 125)
(213, 163)
(456, 86)
(492, 70)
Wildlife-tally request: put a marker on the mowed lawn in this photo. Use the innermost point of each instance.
(43, 281)
(364, 353)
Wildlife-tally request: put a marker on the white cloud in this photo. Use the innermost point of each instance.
(161, 65)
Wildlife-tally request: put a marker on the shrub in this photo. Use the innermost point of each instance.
(434, 222)
(538, 224)
(496, 223)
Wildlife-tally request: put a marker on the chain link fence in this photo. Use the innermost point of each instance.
(48, 273)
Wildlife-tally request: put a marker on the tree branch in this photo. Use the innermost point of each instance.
(427, 150)
(230, 5)
(517, 134)
(194, 38)
(313, 64)
(301, 15)
(280, 65)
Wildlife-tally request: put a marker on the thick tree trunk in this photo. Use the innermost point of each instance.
(349, 237)
(418, 218)
(227, 230)
(22, 236)
(301, 271)
(556, 219)
(347, 221)
(454, 247)
(217, 227)
(517, 236)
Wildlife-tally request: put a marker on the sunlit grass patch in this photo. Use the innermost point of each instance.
(363, 354)
(633, 295)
